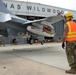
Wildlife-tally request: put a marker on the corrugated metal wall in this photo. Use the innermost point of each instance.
(59, 27)
(19, 40)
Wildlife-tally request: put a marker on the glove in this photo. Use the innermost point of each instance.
(63, 45)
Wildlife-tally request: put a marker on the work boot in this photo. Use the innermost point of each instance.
(71, 71)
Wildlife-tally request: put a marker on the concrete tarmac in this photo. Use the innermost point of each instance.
(36, 59)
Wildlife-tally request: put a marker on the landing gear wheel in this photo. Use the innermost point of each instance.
(42, 42)
(31, 41)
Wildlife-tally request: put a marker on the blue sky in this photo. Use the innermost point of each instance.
(68, 4)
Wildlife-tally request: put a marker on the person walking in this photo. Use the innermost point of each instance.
(69, 38)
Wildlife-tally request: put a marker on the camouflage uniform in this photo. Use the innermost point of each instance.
(71, 53)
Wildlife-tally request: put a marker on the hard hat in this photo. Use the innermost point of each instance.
(68, 14)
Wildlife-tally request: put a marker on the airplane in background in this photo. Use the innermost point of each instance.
(12, 25)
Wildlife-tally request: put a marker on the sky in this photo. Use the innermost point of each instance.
(68, 4)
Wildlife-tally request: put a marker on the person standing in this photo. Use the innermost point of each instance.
(3, 41)
(69, 37)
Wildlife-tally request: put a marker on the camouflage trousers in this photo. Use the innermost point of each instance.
(71, 53)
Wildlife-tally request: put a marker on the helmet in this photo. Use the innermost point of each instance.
(68, 14)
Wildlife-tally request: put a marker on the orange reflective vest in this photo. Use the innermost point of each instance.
(71, 34)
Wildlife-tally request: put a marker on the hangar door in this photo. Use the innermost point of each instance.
(58, 27)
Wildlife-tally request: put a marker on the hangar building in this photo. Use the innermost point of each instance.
(33, 11)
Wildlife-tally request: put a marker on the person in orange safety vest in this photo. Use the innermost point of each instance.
(69, 37)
